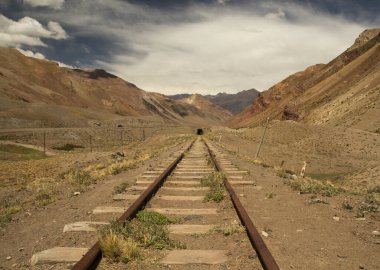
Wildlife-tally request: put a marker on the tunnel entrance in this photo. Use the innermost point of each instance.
(199, 131)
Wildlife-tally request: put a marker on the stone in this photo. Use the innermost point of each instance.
(58, 255)
(336, 218)
(108, 209)
(180, 198)
(195, 257)
(264, 233)
(86, 226)
(185, 188)
(185, 183)
(8, 258)
(181, 211)
(376, 233)
(76, 193)
(189, 228)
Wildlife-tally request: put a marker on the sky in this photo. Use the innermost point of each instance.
(187, 46)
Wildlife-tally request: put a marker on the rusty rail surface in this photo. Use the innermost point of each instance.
(93, 257)
(266, 259)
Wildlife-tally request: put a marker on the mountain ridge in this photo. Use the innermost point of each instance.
(316, 94)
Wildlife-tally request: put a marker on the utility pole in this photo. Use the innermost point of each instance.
(262, 138)
(90, 143)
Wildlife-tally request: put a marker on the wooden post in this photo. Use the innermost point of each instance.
(143, 134)
(44, 142)
(262, 139)
(90, 143)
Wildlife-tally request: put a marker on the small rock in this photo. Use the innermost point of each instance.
(299, 231)
(241, 195)
(336, 218)
(360, 219)
(361, 267)
(21, 249)
(76, 193)
(294, 177)
(264, 233)
(14, 265)
(376, 233)
(8, 258)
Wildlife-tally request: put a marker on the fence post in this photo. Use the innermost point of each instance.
(44, 142)
(90, 143)
(262, 139)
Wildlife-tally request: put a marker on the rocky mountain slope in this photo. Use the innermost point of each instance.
(234, 103)
(344, 92)
(208, 108)
(39, 93)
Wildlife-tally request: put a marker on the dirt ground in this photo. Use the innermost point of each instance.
(37, 223)
(305, 230)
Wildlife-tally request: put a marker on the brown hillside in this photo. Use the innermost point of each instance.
(38, 93)
(342, 92)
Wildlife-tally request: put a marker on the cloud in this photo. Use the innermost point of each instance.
(28, 31)
(29, 53)
(205, 47)
(228, 49)
(40, 56)
(54, 4)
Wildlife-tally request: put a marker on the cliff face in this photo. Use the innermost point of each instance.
(343, 92)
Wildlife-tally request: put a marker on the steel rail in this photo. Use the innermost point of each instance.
(93, 257)
(266, 258)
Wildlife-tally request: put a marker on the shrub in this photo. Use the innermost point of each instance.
(67, 147)
(120, 188)
(217, 191)
(229, 229)
(120, 240)
(81, 177)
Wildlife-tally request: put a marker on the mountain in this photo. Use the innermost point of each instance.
(209, 109)
(344, 92)
(234, 103)
(39, 93)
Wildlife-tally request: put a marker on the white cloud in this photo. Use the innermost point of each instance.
(29, 53)
(28, 31)
(209, 48)
(40, 56)
(229, 50)
(55, 4)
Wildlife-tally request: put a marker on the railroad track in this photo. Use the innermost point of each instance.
(173, 189)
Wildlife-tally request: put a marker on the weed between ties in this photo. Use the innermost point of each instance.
(217, 191)
(123, 241)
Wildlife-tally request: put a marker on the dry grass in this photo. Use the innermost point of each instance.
(217, 191)
(116, 248)
(228, 229)
(123, 241)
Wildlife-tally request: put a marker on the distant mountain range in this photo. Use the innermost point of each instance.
(234, 103)
(343, 92)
